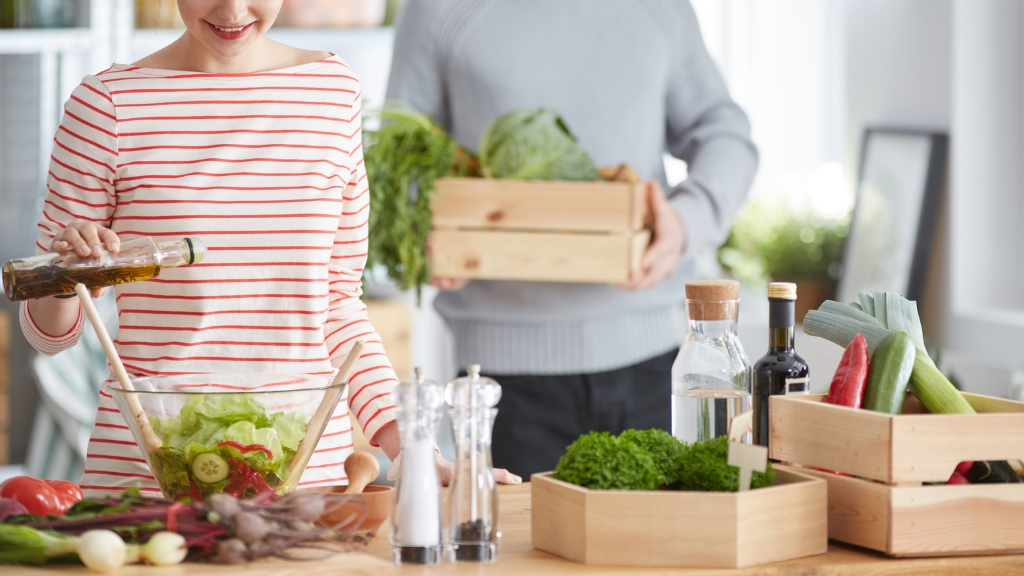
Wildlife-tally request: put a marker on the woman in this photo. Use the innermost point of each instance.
(255, 147)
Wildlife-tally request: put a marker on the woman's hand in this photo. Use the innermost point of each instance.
(86, 239)
(446, 468)
(662, 256)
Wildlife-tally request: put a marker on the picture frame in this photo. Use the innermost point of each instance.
(899, 188)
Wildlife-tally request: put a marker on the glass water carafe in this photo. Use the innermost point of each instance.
(416, 517)
(471, 512)
(711, 377)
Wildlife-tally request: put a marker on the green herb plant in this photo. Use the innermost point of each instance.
(602, 461)
(775, 242)
(705, 468)
(650, 459)
(403, 158)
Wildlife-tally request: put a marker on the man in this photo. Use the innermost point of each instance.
(632, 79)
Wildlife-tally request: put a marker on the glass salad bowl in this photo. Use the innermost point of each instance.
(241, 433)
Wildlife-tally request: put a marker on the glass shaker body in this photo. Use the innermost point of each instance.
(711, 376)
(416, 516)
(53, 274)
(471, 512)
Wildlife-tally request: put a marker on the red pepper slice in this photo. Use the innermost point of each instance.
(246, 449)
(41, 497)
(851, 376)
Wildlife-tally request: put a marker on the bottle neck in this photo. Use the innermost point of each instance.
(714, 329)
(781, 325)
(183, 252)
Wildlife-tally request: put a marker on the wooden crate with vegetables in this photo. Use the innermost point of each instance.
(914, 467)
(530, 205)
(602, 506)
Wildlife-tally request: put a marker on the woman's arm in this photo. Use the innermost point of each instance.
(78, 207)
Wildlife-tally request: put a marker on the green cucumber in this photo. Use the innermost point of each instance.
(209, 468)
(889, 373)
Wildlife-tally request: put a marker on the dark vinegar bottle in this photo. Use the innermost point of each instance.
(780, 371)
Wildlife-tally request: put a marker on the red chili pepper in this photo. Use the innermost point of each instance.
(851, 376)
(41, 497)
(246, 449)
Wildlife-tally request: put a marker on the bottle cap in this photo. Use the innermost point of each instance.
(196, 250)
(712, 299)
(712, 290)
(418, 393)
(782, 290)
(473, 391)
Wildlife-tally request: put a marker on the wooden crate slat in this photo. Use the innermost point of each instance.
(537, 256)
(524, 205)
(804, 431)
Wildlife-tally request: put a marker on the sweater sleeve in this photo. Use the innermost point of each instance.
(79, 186)
(373, 379)
(416, 67)
(708, 130)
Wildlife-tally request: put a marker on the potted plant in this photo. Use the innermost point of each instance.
(776, 242)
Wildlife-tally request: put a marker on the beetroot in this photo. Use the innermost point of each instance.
(9, 507)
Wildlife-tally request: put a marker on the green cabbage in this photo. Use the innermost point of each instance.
(533, 145)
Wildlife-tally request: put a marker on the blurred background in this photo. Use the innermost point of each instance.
(813, 75)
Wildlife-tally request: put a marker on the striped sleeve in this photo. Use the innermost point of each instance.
(79, 185)
(373, 378)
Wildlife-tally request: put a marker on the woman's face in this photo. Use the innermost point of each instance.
(228, 28)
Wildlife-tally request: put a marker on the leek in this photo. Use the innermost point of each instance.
(839, 323)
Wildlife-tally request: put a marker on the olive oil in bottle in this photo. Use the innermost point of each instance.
(54, 274)
(781, 370)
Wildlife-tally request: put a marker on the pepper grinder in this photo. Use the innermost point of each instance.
(416, 518)
(471, 531)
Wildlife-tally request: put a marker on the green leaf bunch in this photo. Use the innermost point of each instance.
(705, 468)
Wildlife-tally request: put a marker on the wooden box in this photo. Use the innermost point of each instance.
(539, 231)
(893, 512)
(680, 529)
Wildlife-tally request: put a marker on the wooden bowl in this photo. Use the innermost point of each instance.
(374, 500)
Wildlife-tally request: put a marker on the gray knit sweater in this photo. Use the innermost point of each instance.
(632, 79)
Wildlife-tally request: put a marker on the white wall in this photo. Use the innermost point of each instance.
(898, 66)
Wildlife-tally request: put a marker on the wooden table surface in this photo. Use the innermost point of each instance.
(517, 557)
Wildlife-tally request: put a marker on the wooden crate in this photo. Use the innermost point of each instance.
(680, 529)
(895, 513)
(538, 231)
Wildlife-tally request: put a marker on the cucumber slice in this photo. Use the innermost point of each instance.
(209, 468)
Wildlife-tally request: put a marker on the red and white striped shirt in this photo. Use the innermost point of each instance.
(267, 169)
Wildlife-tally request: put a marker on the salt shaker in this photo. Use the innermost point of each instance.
(416, 518)
(471, 531)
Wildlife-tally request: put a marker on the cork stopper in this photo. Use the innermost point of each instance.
(712, 299)
(782, 290)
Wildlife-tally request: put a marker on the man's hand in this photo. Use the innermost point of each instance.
(446, 284)
(662, 256)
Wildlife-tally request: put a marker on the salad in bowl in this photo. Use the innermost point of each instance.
(239, 433)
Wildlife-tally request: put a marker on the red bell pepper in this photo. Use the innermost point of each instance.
(41, 497)
(851, 376)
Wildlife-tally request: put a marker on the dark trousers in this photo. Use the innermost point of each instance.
(539, 416)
